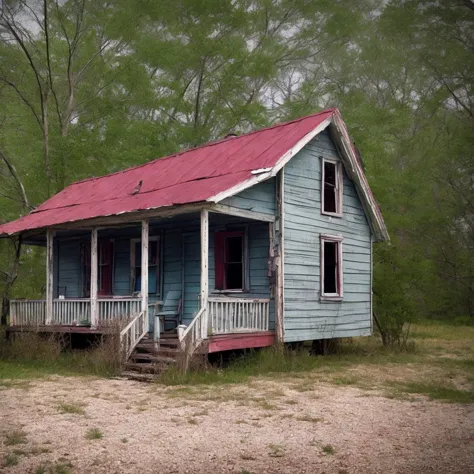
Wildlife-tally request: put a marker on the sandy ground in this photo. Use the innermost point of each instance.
(261, 427)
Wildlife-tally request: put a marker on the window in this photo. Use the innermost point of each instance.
(331, 188)
(331, 267)
(229, 257)
(105, 259)
(154, 280)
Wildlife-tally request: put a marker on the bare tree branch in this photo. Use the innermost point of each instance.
(24, 99)
(21, 188)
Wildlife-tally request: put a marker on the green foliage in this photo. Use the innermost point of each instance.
(393, 311)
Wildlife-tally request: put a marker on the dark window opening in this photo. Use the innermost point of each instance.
(330, 283)
(331, 188)
(234, 263)
(229, 260)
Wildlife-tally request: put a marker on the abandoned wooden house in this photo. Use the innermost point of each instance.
(240, 243)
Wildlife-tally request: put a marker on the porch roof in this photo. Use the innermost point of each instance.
(210, 173)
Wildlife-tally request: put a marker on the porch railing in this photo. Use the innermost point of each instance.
(112, 308)
(27, 312)
(231, 315)
(193, 336)
(133, 332)
(70, 311)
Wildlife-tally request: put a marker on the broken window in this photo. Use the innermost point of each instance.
(331, 266)
(229, 260)
(331, 188)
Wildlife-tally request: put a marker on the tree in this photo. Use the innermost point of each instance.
(88, 88)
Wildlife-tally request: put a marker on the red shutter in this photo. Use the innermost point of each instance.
(106, 252)
(219, 248)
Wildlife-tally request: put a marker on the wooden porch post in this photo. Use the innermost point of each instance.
(94, 278)
(144, 275)
(204, 269)
(49, 277)
(280, 267)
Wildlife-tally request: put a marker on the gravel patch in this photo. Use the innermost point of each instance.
(260, 427)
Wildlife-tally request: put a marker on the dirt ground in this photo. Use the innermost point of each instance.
(265, 426)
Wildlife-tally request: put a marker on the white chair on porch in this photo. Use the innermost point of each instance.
(170, 311)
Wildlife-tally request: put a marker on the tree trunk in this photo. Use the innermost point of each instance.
(10, 280)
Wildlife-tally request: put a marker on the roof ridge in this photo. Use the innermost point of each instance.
(209, 144)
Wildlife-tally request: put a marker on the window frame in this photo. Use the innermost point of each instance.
(159, 266)
(339, 187)
(339, 295)
(243, 232)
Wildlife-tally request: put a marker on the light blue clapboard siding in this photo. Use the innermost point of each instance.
(306, 317)
(192, 275)
(258, 198)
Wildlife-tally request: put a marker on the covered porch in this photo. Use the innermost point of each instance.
(209, 272)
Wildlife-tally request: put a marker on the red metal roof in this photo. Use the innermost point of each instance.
(187, 177)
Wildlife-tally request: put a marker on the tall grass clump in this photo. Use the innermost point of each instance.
(30, 354)
(103, 359)
(30, 346)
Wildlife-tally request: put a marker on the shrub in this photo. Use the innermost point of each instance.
(464, 321)
(394, 310)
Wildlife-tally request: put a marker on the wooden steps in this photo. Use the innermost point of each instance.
(149, 358)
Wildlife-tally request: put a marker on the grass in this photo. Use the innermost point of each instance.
(436, 391)
(308, 418)
(56, 468)
(72, 408)
(276, 450)
(439, 365)
(93, 433)
(11, 459)
(30, 356)
(328, 449)
(16, 384)
(15, 437)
